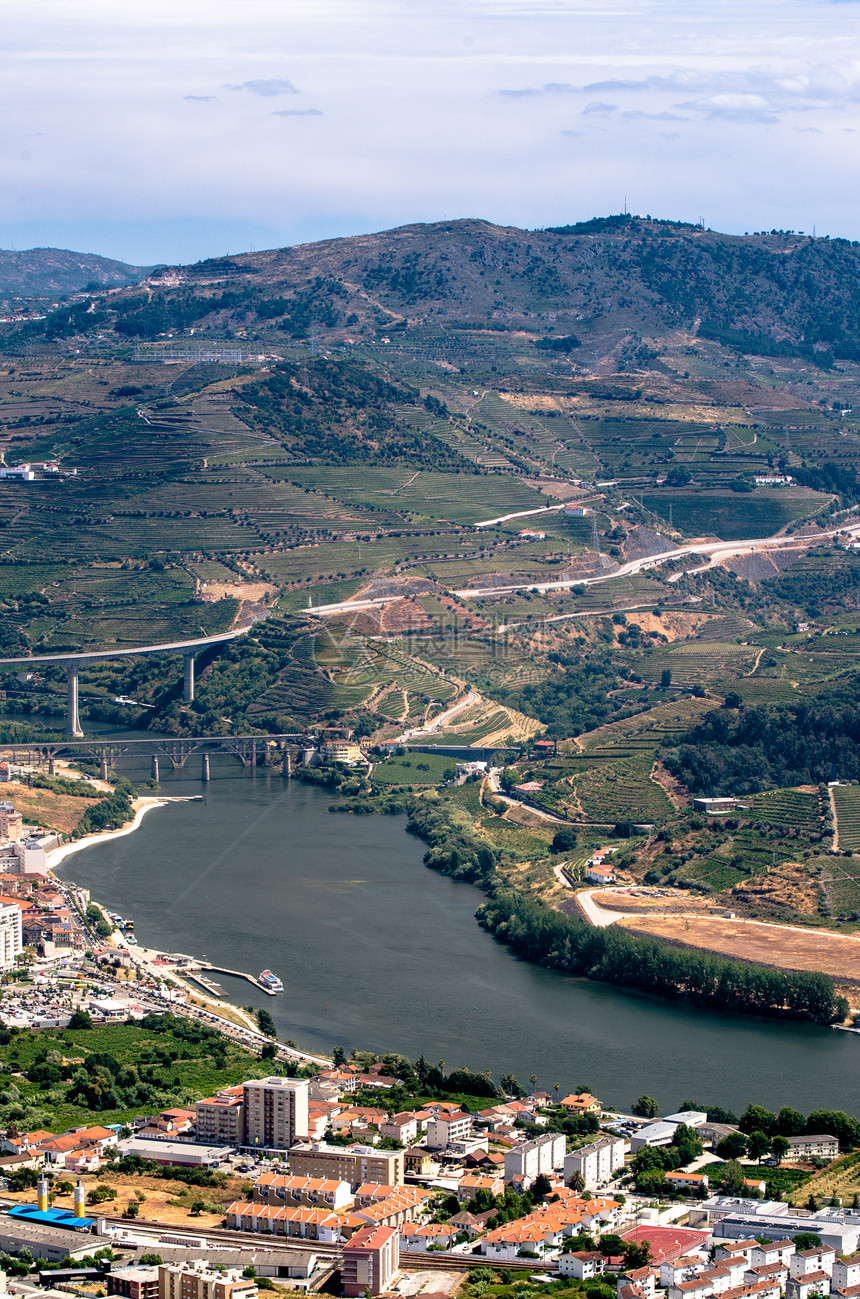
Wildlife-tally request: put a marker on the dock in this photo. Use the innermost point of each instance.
(237, 974)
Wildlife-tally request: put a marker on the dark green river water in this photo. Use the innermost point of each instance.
(376, 951)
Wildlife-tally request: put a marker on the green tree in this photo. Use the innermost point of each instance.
(780, 1146)
(806, 1240)
(81, 1019)
(733, 1178)
(646, 1107)
(758, 1145)
(265, 1023)
(733, 1146)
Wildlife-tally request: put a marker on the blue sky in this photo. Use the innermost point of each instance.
(180, 129)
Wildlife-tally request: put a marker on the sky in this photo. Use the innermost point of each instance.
(173, 130)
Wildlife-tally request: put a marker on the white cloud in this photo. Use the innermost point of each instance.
(267, 87)
(410, 122)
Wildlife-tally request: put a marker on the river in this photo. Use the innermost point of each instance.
(378, 952)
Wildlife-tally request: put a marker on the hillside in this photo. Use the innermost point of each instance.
(45, 272)
(366, 448)
(604, 291)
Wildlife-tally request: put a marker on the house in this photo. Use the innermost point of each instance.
(599, 874)
(419, 1162)
(505, 1243)
(804, 1287)
(581, 1103)
(715, 806)
(846, 1272)
(418, 1239)
(582, 1264)
(688, 1181)
(643, 1279)
(402, 1127)
(809, 1262)
(775, 1251)
(469, 1185)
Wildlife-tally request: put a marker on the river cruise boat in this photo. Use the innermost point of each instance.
(271, 981)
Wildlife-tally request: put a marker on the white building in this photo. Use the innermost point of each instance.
(11, 937)
(532, 1158)
(32, 858)
(596, 1163)
(444, 1129)
(276, 1112)
(661, 1132)
(582, 1264)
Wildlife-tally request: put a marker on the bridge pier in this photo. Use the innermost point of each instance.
(287, 766)
(50, 766)
(154, 769)
(204, 773)
(73, 724)
(188, 681)
(103, 767)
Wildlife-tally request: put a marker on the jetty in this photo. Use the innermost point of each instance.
(236, 974)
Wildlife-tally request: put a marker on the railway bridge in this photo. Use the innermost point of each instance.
(73, 662)
(247, 748)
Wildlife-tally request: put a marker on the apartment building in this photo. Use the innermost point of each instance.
(596, 1163)
(822, 1145)
(11, 934)
(352, 1164)
(220, 1120)
(370, 1261)
(276, 1112)
(308, 1192)
(133, 1282)
(199, 1281)
(443, 1129)
(541, 1155)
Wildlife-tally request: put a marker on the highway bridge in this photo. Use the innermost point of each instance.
(73, 662)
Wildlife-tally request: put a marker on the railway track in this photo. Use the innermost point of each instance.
(409, 1262)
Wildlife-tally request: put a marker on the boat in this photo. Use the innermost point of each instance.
(270, 981)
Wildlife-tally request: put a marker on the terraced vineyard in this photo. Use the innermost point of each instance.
(846, 799)
(695, 663)
(799, 809)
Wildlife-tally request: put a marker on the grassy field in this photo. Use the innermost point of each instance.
(417, 769)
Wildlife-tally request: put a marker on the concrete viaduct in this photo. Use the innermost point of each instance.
(73, 662)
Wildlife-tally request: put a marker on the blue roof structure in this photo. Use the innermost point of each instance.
(51, 1217)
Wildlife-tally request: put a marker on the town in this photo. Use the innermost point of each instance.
(342, 1189)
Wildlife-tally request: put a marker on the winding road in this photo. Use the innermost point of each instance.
(715, 550)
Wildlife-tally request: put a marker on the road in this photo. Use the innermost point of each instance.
(715, 550)
(719, 549)
(442, 720)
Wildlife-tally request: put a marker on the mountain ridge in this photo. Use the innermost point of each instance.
(42, 272)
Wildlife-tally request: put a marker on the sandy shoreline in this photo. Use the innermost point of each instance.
(141, 807)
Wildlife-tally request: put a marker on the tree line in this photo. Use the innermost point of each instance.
(609, 955)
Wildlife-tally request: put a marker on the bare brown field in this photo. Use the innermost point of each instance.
(778, 946)
(694, 904)
(44, 807)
